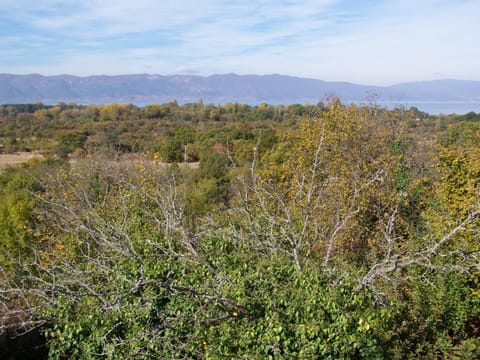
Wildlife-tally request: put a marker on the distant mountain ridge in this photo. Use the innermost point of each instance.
(147, 88)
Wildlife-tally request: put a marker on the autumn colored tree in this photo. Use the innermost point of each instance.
(324, 191)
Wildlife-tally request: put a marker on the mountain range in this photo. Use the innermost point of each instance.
(143, 89)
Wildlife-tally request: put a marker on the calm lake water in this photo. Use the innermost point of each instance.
(436, 107)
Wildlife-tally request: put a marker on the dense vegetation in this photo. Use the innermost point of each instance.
(235, 231)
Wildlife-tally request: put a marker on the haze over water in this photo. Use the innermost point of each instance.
(436, 107)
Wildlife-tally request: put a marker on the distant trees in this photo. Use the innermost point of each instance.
(175, 146)
(69, 141)
(37, 126)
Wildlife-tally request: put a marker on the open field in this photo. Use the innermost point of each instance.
(7, 160)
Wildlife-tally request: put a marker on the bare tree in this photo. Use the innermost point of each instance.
(118, 236)
(441, 254)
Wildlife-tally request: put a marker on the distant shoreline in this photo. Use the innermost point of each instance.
(437, 96)
(435, 107)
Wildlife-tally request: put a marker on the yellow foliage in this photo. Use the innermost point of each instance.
(338, 170)
(458, 190)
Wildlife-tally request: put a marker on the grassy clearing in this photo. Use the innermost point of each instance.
(7, 160)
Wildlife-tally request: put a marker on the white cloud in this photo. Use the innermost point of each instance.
(328, 39)
(186, 70)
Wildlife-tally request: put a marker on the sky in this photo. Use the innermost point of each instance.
(375, 42)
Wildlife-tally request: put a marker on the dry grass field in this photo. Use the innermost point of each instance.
(7, 160)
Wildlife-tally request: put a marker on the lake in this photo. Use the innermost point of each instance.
(436, 107)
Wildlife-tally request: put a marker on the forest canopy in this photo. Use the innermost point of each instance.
(237, 231)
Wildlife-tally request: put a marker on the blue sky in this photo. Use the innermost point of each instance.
(362, 41)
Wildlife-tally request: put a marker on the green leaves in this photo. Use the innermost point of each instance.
(324, 248)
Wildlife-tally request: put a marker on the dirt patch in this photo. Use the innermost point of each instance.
(7, 160)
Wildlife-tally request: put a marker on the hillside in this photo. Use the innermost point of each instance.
(146, 88)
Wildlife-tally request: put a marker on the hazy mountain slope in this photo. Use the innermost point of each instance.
(145, 88)
(439, 90)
